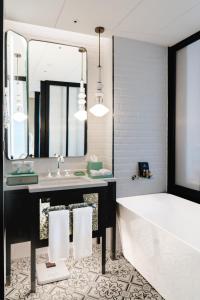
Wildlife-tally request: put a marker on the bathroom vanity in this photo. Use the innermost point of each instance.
(23, 211)
(43, 124)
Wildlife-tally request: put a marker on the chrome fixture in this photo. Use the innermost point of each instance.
(99, 109)
(81, 114)
(60, 159)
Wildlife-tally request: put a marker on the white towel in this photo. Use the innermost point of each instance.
(82, 232)
(58, 235)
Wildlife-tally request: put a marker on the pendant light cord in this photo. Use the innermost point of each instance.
(18, 56)
(82, 66)
(99, 49)
(17, 70)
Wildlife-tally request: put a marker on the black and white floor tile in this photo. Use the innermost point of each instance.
(121, 281)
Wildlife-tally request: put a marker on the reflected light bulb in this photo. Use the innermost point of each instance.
(19, 116)
(81, 115)
(99, 110)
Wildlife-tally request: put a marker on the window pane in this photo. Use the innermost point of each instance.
(76, 128)
(187, 116)
(57, 120)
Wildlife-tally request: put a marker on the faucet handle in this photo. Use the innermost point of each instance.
(62, 159)
(67, 172)
(49, 174)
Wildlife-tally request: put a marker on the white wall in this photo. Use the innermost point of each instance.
(140, 108)
(99, 129)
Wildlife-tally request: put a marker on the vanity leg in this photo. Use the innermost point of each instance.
(113, 247)
(98, 240)
(112, 191)
(8, 263)
(33, 264)
(104, 251)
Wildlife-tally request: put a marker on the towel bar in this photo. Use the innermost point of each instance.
(69, 207)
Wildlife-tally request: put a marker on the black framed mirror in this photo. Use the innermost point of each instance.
(16, 102)
(43, 98)
(54, 84)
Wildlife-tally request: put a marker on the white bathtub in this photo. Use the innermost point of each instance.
(160, 235)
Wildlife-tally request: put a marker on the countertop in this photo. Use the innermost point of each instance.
(64, 183)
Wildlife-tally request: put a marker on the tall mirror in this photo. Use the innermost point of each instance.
(55, 72)
(16, 99)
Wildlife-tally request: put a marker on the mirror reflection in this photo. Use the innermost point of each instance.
(16, 96)
(55, 72)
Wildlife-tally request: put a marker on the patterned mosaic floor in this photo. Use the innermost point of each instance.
(121, 281)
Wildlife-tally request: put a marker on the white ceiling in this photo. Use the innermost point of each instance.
(46, 63)
(163, 22)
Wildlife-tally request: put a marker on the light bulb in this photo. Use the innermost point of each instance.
(19, 115)
(99, 110)
(81, 115)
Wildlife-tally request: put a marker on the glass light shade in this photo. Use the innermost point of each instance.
(99, 110)
(19, 116)
(81, 115)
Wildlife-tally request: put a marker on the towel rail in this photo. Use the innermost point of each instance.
(69, 207)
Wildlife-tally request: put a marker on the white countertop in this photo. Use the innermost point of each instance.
(64, 183)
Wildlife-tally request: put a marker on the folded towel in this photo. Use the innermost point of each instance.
(105, 172)
(82, 232)
(58, 235)
(101, 172)
(95, 172)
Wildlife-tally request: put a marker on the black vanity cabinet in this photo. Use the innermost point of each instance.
(18, 215)
(22, 218)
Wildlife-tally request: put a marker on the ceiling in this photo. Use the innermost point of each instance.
(163, 22)
(46, 63)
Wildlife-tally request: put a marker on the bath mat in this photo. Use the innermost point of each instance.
(46, 275)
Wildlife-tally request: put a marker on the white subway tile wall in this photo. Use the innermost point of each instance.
(140, 110)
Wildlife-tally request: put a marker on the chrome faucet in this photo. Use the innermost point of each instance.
(60, 159)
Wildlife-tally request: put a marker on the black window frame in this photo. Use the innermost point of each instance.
(173, 188)
(44, 117)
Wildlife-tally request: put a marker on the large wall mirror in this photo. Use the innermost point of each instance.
(42, 121)
(54, 83)
(16, 100)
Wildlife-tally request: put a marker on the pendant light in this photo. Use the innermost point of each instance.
(19, 115)
(81, 114)
(99, 109)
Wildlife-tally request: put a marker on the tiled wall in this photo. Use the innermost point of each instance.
(99, 129)
(140, 107)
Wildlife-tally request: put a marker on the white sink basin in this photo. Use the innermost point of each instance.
(64, 183)
(61, 179)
